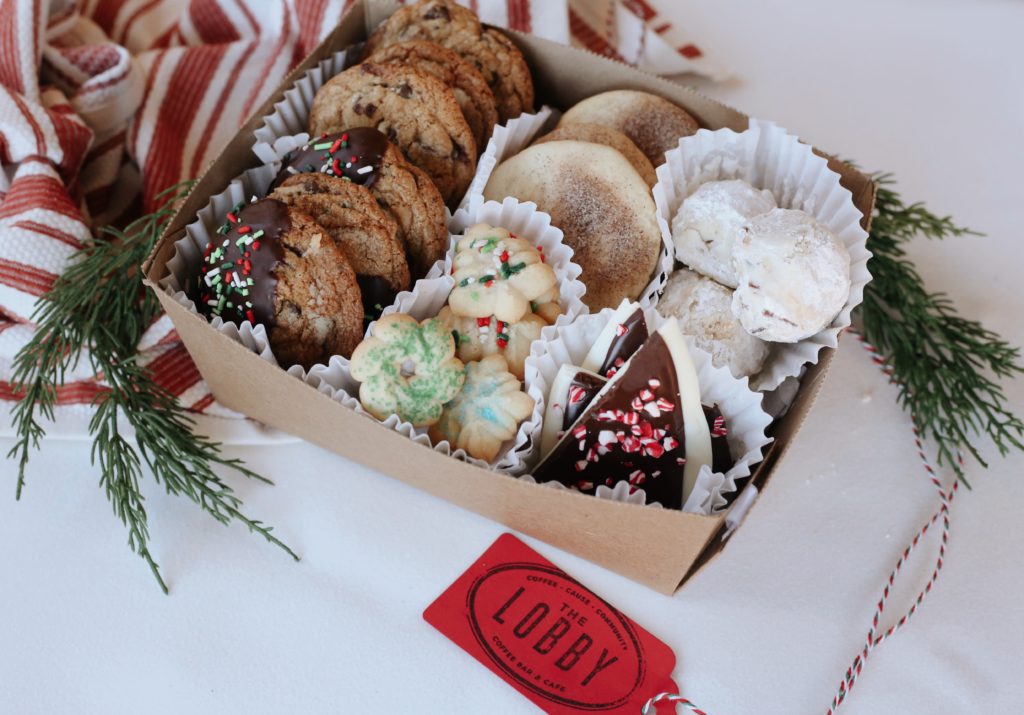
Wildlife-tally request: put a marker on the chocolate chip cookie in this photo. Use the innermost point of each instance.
(457, 28)
(272, 265)
(369, 237)
(475, 98)
(416, 111)
(364, 156)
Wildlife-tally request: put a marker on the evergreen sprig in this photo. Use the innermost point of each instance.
(97, 311)
(948, 367)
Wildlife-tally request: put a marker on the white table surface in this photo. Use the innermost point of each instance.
(926, 89)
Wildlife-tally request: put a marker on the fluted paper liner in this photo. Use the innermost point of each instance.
(745, 419)
(286, 128)
(622, 491)
(767, 157)
(507, 140)
(519, 133)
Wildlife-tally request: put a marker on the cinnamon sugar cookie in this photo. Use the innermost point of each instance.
(598, 134)
(602, 205)
(654, 124)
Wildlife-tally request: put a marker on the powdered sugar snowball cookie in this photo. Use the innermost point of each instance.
(497, 274)
(703, 309)
(407, 368)
(709, 222)
(651, 122)
(486, 412)
(603, 206)
(476, 338)
(793, 275)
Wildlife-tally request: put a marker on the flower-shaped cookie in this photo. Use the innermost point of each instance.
(407, 369)
(486, 412)
(476, 338)
(547, 305)
(497, 274)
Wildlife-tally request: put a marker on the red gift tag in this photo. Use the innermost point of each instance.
(550, 637)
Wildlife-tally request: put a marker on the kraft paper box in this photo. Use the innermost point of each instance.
(658, 547)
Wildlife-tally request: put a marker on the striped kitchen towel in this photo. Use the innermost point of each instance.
(105, 103)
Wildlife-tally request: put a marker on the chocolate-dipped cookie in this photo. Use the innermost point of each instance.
(369, 237)
(475, 98)
(417, 112)
(363, 155)
(457, 28)
(272, 265)
(621, 337)
(647, 427)
(571, 391)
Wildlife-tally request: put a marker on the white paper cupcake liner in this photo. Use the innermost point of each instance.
(507, 141)
(768, 157)
(741, 406)
(285, 128)
(526, 221)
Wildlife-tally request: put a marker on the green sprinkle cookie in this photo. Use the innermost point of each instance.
(407, 369)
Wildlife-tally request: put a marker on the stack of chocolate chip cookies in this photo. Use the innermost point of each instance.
(358, 214)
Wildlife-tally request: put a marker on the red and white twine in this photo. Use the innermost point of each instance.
(875, 638)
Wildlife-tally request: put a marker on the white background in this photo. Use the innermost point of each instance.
(929, 90)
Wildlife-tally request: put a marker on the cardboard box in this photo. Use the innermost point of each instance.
(657, 547)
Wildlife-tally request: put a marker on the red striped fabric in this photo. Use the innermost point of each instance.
(588, 36)
(70, 393)
(105, 103)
